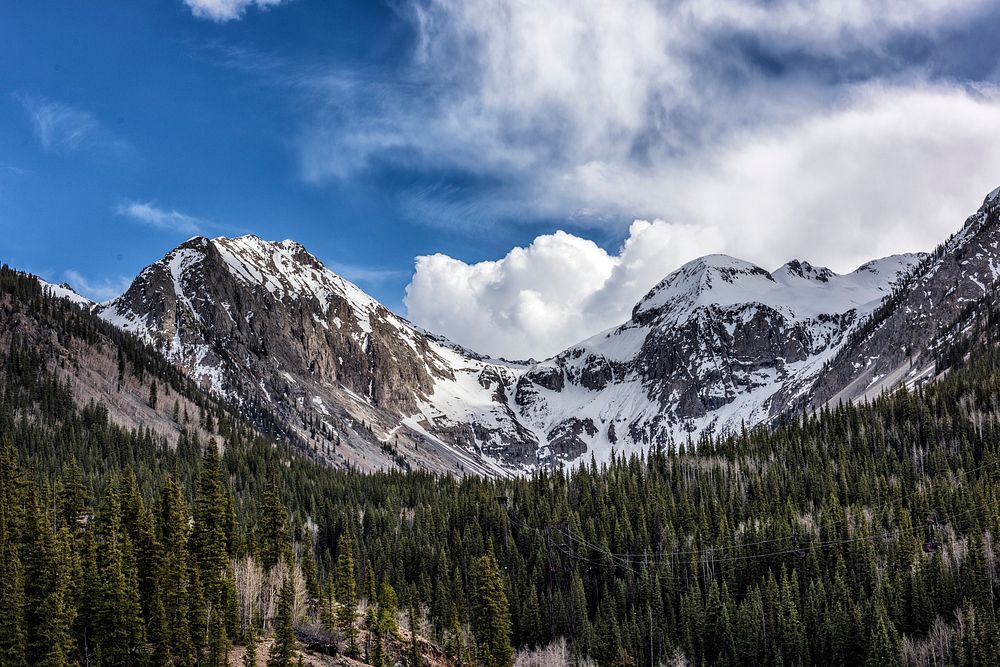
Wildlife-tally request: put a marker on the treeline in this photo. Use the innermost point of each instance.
(864, 534)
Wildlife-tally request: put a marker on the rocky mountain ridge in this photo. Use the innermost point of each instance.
(705, 352)
(247, 317)
(896, 347)
(717, 345)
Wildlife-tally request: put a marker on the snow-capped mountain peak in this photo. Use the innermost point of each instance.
(716, 344)
(709, 279)
(800, 269)
(246, 317)
(797, 288)
(286, 268)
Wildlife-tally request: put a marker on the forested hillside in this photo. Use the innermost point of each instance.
(863, 534)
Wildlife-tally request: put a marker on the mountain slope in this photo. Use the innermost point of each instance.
(706, 350)
(717, 345)
(897, 345)
(48, 330)
(250, 318)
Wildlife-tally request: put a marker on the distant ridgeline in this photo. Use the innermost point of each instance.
(863, 534)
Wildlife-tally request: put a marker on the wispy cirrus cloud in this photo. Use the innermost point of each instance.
(226, 10)
(768, 129)
(62, 128)
(17, 171)
(100, 290)
(171, 220)
(550, 107)
(368, 275)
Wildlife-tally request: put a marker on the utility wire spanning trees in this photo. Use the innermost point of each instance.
(637, 561)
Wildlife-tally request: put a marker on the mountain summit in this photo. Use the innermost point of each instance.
(718, 344)
(714, 346)
(248, 317)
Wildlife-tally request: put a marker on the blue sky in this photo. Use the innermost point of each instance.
(148, 104)
(431, 150)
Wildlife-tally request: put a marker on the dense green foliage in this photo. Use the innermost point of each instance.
(490, 614)
(864, 534)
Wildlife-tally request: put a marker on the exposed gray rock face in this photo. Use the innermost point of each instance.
(248, 317)
(716, 345)
(894, 347)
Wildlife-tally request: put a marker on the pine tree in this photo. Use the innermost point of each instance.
(884, 643)
(13, 637)
(121, 368)
(283, 651)
(73, 495)
(580, 629)
(347, 594)
(276, 544)
(59, 611)
(531, 619)
(39, 575)
(90, 600)
(330, 606)
(197, 609)
(491, 623)
(373, 643)
(218, 639)
(416, 656)
(210, 520)
(174, 576)
(455, 648)
(388, 607)
(121, 632)
(309, 574)
(250, 641)
(159, 634)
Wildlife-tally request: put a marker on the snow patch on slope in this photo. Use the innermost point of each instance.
(714, 297)
(64, 291)
(797, 289)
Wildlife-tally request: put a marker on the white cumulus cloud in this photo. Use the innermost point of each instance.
(890, 170)
(540, 299)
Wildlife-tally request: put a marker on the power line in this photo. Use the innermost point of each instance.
(707, 556)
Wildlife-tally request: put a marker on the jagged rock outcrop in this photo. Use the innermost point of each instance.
(718, 344)
(711, 347)
(247, 317)
(896, 346)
